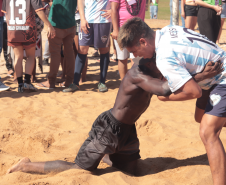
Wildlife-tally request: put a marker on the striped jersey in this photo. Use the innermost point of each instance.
(181, 53)
(93, 10)
(20, 14)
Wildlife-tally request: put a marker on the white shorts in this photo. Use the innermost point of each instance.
(124, 54)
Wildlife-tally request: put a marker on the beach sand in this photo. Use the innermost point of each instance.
(51, 125)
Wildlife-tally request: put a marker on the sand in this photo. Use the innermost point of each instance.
(51, 125)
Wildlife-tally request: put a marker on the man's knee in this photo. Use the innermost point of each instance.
(208, 133)
(83, 50)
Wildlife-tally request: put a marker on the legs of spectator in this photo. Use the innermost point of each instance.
(33, 78)
(55, 48)
(104, 62)
(30, 53)
(219, 35)
(1, 33)
(46, 54)
(190, 22)
(182, 19)
(80, 63)
(151, 17)
(8, 60)
(114, 57)
(171, 12)
(122, 68)
(19, 54)
(69, 57)
(83, 77)
(155, 12)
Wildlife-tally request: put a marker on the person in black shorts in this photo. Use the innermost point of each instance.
(209, 20)
(189, 11)
(113, 136)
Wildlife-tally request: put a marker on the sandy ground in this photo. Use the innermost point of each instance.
(51, 125)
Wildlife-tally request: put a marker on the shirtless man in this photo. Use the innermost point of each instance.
(114, 133)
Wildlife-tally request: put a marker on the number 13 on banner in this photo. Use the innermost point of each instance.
(16, 20)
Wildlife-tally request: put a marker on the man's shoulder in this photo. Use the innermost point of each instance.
(134, 75)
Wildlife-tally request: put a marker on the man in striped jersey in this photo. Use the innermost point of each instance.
(180, 54)
(94, 31)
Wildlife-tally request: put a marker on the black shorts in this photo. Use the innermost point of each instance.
(191, 10)
(108, 136)
(77, 23)
(203, 100)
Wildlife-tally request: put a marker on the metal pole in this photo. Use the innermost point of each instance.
(175, 12)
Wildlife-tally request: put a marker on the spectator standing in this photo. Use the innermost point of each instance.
(76, 41)
(154, 9)
(95, 30)
(209, 20)
(223, 16)
(189, 11)
(3, 87)
(171, 13)
(46, 54)
(22, 35)
(62, 18)
(121, 11)
(8, 59)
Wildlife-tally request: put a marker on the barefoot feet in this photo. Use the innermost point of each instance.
(18, 166)
(107, 160)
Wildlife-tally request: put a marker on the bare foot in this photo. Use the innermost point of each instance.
(18, 166)
(10, 73)
(60, 80)
(44, 85)
(107, 160)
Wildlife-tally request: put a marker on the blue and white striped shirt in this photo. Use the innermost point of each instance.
(93, 10)
(181, 52)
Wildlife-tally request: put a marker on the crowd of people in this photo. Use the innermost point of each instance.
(71, 35)
(176, 66)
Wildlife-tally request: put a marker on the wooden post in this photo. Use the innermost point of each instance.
(175, 12)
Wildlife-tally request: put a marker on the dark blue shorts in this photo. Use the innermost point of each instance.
(216, 104)
(98, 36)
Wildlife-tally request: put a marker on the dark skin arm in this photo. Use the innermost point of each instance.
(211, 69)
(161, 88)
(152, 85)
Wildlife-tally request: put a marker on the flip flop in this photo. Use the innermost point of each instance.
(42, 86)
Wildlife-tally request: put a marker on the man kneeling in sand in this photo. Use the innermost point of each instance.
(113, 135)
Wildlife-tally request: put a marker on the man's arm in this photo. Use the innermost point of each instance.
(51, 31)
(211, 69)
(151, 85)
(190, 90)
(217, 8)
(84, 23)
(114, 19)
